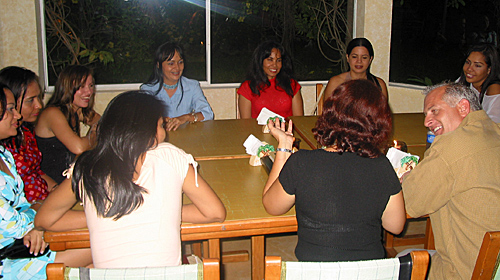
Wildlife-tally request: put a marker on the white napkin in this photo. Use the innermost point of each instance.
(394, 155)
(252, 145)
(265, 114)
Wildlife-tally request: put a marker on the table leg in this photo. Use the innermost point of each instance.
(429, 235)
(258, 251)
(206, 251)
(196, 249)
(214, 248)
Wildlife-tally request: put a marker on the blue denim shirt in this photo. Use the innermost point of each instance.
(193, 99)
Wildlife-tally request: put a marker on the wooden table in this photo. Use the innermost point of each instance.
(239, 186)
(407, 127)
(219, 139)
(218, 147)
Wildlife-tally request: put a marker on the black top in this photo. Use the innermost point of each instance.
(339, 201)
(55, 157)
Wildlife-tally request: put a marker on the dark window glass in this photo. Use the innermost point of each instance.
(430, 38)
(118, 38)
(239, 26)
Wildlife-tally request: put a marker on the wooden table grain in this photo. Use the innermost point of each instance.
(218, 139)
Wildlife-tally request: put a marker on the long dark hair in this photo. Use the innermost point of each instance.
(490, 54)
(3, 100)
(163, 53)
(125, 132)
(363, 42)
(258, 78)
(18, 80)
(68, 83)
(356, 118)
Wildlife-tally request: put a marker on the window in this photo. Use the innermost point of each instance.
(118, 38)
(430, 38)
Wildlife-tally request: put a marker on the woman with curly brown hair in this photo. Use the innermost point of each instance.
(346, 192)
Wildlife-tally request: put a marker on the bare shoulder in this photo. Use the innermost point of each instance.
(50, 115)
(333, 83)
(51, 112)
(337, 80)
(381, 82)
(493, 89)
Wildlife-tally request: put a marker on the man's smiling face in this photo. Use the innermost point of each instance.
(440, 117)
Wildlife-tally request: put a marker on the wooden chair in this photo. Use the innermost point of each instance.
(412, 266)
(487, 259)
(236, 102)
(426, 239)
(320, 98)
(210, 269)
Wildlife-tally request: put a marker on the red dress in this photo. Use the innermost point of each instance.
(272, 97)
(28, 159)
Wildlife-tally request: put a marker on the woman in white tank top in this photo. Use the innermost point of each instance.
(481, 71)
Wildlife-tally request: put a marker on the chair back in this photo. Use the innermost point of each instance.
(320, 98)
(208, 270)
(237, 103)
(487, 259)
(426, 239)
(413, 266)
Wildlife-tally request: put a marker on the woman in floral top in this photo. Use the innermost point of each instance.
(24, 85)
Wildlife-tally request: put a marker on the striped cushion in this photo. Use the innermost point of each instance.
(182, 272)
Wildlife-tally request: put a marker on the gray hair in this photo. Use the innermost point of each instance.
(454, 92)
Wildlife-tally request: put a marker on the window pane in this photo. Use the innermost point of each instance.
(126, 31)
(239, 26)
(430, 38)
(118, 38)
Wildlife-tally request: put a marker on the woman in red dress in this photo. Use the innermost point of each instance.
(270, 84)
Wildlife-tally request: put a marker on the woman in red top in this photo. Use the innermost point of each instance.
(270, 84)
(24, 85)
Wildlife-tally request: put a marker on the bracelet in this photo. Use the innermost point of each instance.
(283, 150)
(195, 117)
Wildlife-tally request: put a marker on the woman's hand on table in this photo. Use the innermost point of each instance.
(174, 123)
(34, 240)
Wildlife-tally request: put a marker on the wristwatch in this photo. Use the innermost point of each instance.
(195, 117)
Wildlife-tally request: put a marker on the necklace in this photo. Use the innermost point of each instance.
(170, 86)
